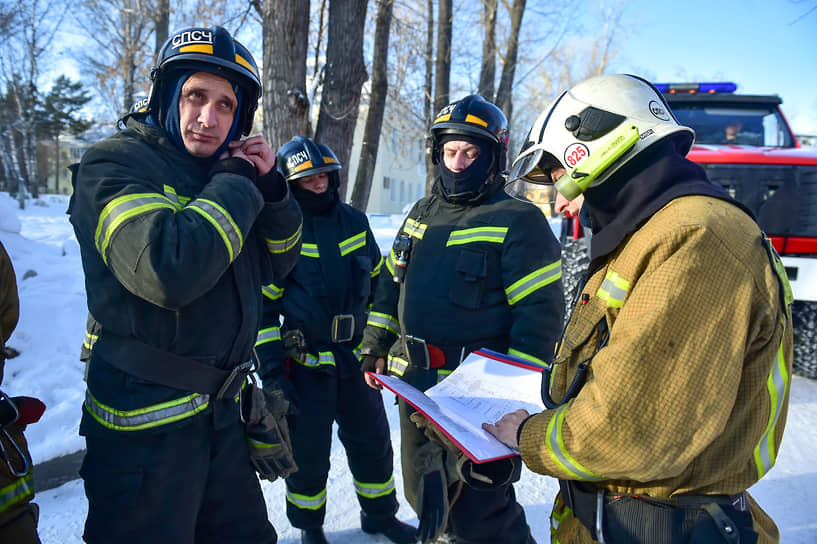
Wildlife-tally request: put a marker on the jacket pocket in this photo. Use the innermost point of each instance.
(363, 276)
(468, 284)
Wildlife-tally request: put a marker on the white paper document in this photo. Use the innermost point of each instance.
(482, 389)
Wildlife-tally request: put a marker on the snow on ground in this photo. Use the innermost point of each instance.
(45, 254)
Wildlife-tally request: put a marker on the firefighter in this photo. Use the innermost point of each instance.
(18, 515)
(313, 355)
(671, 383)
(180, 223)
(470, 268)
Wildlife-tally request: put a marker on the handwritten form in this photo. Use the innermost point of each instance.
(482, 389)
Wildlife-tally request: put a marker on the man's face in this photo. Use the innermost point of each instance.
(317, 183)
(206, 110)
(458, 155)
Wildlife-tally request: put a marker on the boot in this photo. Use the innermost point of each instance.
(390, 527)
(313, 535)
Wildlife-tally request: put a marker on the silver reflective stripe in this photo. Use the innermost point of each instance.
(310, 250)
(307, 502)
(119, 210)
(148, 417)
(384, 321)
(555, 443)
(272, 291)
(324, 358)
(270, 334)
(178, 201)
(223, 222)
(374, 490)
(414, 228)
(16, 492)
(613, 289)
(534, 281)
(397, 366)
(282, 246)
(90, 340)
(350, 244)
(477, 234)
(377, 268)
(390, 262)
(777, 382)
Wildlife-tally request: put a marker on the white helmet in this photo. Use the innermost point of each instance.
(591, 131)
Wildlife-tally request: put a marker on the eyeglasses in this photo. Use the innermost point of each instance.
(9, 414)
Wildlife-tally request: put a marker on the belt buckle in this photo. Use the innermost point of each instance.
(240, 370)
(343, 328)
(418, 346)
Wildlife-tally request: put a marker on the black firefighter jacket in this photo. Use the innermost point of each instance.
(483, 275)
(174, 259)
(326, 295)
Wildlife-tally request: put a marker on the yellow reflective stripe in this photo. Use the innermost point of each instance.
(377, 268)
(414, 228)
(442, 374)
(119, 210)
(356, 350)
(324, 358)
(470, 118)
(396, 365)
(148, 417)
(282, 246)
(258, 445)
(307, 502)
(303, 166)
(765, 453)
(272, 291)
(613, 289)
(534, 281)
(556, 519)
(223, 223)
(246, 64)
(390, 262)
(310, 250)
(16, 492)
(374, 490)
(197, 48)
(90, 340)
(529, 358)
(270, 334)
(178, 201)
(384, 321)
(558, 452)
(477, 234)
(350, 244)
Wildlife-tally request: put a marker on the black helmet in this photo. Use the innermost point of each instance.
(301, 157)
(209, 50)
(140, 106)
(472, 116)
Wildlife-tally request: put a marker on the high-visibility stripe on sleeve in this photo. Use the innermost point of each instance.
(390, 262)
(374, 490)
(307, 502)
(350, 244)
(477, 234)
(282, 246)
(223, 223)
(396, 365)
(89, 340)
(120, 209)
(558, 452)
(270, 334)
(384, 321)
(178, 200)
(310, 250)
(272, 291)
(777, 382)
(324, 359)
(613, 289)
(377, 268)
(17, 491)
(529, 358)
(148, 417)
(533, 281)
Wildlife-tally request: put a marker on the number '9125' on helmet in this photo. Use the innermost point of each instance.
(211, 50)
(302, 157)
(471, 116)
(591, 131)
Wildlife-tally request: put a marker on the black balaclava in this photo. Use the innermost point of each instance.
(467, 185)
(317, 203)
(170, 114)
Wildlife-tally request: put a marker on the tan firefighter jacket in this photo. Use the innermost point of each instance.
(690, 392)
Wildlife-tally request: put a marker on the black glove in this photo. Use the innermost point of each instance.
(432, 491)
(235, 165)
(272, 185)
(267, 429)
(367, 363)
(278, 382)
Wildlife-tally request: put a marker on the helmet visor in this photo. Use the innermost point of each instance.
(530, 178)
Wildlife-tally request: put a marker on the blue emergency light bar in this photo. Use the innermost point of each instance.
(692, 88)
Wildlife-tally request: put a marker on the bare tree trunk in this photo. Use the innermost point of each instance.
(488, 72)
(57, 163)
(345, 74)
(377, 105)
(161, 23)
(428, 106)
(503, 95)
(286, 105)
(442, 69)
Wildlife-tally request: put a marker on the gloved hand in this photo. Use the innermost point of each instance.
(368, 363)
(278, 381)
(272, 185)
(267, 428)
(432, 492)
(235, 165)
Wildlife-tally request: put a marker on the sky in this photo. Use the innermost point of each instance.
(46, 259)
(764, 46)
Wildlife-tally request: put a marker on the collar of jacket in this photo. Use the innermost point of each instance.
(480, 198)
(618, 207)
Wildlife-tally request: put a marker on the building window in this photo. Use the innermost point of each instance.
(402, 191)
(386, 182)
